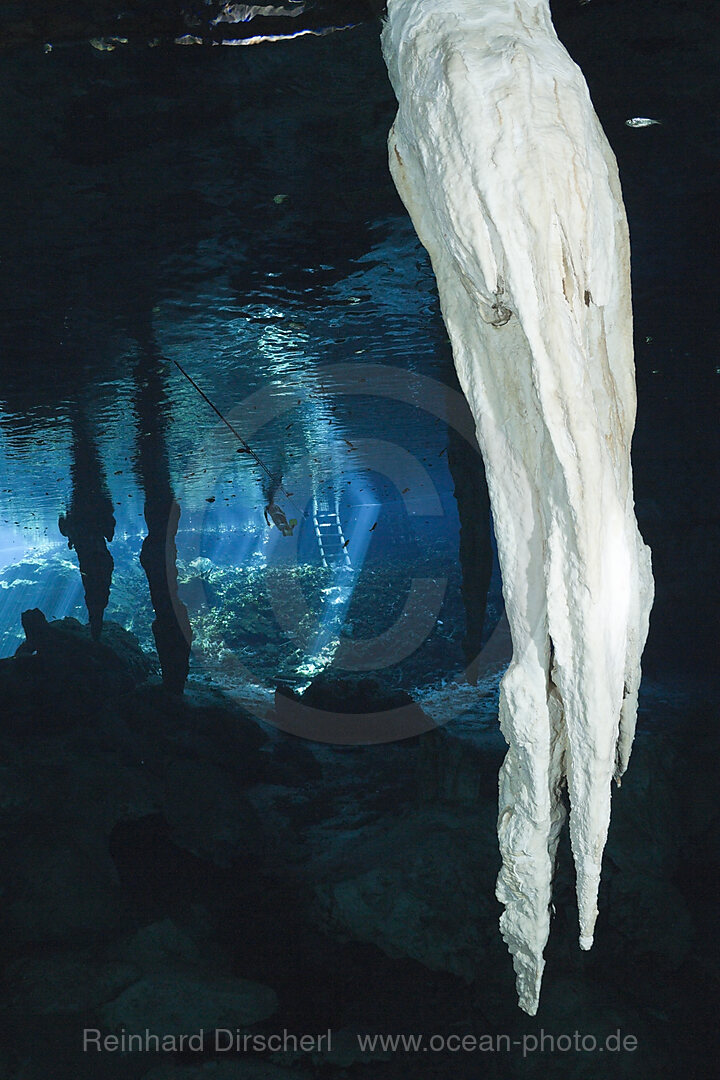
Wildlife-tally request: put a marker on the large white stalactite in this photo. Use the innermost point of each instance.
(513, 189)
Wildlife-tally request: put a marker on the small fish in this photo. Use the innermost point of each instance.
(641, 121)
(346, 543)
(349, 444)
(372, 527)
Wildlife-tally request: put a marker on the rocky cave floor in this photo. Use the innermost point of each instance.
(174, 864)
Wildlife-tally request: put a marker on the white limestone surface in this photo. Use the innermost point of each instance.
(513, 189)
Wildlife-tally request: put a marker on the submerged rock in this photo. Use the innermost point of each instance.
(458, 766)
(349, 711)
(66, 982)
(226, 1070)
(59, 674)
(416, 888)
(60, 890)
(348, 694)
(178, 1004)
(649, 918)
(208, 814)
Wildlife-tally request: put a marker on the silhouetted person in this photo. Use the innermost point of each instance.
(158, 555)
(89, 522)
(274, 513)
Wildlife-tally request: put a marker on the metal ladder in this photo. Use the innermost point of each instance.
(328, 530)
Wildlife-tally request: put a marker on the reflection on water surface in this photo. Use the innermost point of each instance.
(232, 213)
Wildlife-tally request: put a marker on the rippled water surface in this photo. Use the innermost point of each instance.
(226, 214)
(230, 210)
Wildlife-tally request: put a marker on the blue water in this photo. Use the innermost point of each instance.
(231, 210)
(230, 213)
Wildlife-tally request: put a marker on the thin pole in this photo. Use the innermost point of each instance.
(248, 449)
